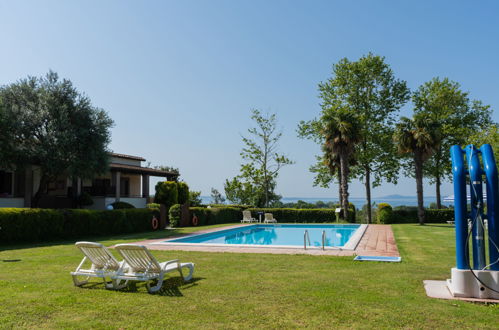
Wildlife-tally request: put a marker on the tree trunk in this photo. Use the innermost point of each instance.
(340, 188)
(368, 193)
(438, 183)
(44, 181)
(266, 193)
(344, 185)
(418, 162)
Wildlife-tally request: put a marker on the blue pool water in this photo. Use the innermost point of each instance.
(287, 235)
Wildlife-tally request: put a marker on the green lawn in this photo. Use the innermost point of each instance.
(244, 290)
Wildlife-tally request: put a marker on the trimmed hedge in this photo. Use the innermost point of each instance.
(409, 214)
(122, 205)
(215, 215)
(35, 225)
(237, 206)
(174, 215)
(298, 215)
(218, 215)
(183, 192)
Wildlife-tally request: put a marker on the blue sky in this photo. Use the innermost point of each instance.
(179, 77)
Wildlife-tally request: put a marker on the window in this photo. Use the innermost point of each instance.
(5, 184)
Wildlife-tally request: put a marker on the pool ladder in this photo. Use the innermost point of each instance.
(306, 238)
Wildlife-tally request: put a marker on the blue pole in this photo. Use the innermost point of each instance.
(489, 165)
(476, 192)
(460, 211)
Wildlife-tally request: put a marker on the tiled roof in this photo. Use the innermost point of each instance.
(113, 154)
(142, 170)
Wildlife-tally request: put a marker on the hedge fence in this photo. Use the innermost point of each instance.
(410, 215)
(35, 225)
(219, 215)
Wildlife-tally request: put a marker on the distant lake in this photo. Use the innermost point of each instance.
(358, 202)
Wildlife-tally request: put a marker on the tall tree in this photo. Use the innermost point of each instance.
(47, 122)
(419, 138)
(262, 159)
(443, 101)
(216, 197)
(487, 135)
(341, 135)
(368, 88)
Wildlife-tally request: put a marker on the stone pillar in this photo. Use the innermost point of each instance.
(28, 186)
(163, 216)
(116, 180)
(145, 186)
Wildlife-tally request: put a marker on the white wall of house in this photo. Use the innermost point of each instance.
(135, 185)
(12, 202)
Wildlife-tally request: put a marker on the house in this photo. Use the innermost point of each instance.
(126, 181)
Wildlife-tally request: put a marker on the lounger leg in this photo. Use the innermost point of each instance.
(78, 282)
(191, 272)
(119, 284)
(157, 287)
(108, 285)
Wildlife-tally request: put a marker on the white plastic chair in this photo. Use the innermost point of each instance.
(142, 266)
(104, 265)
(269, 218)
(247, 217)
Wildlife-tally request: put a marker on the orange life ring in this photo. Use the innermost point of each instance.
(154, 223)
(195, 221)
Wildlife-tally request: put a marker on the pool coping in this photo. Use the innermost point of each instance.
(378, 240)
(350, 245)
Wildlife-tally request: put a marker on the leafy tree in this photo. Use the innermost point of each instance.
(368, 88)
(418, 137)
(443, 101)
(216, 197)
(47, 122)
(487, 135)
(194, 198)
(257, 178)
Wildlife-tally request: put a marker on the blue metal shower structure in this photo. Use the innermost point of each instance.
(475, 275)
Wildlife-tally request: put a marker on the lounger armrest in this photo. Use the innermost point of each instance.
(170, 262)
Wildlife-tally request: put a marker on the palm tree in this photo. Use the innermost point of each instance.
(341, 134)
(420, 137)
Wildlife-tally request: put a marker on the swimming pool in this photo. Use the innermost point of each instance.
(343, 236)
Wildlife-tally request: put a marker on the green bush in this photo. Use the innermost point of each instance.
(35, 225)
(122, 205)
(174, 215)
(439, 215)
(384, 213)
(409, 214)
(166, 193)
(215, 215)
(152, 206)
(183, 192)
(85, 199)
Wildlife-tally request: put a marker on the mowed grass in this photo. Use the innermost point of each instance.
(233, 290)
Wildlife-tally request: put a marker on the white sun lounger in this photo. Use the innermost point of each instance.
(104, 265)
(142, 266)
(269, 218)
(247, 217)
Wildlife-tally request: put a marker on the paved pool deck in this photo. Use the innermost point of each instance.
(378, 240)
